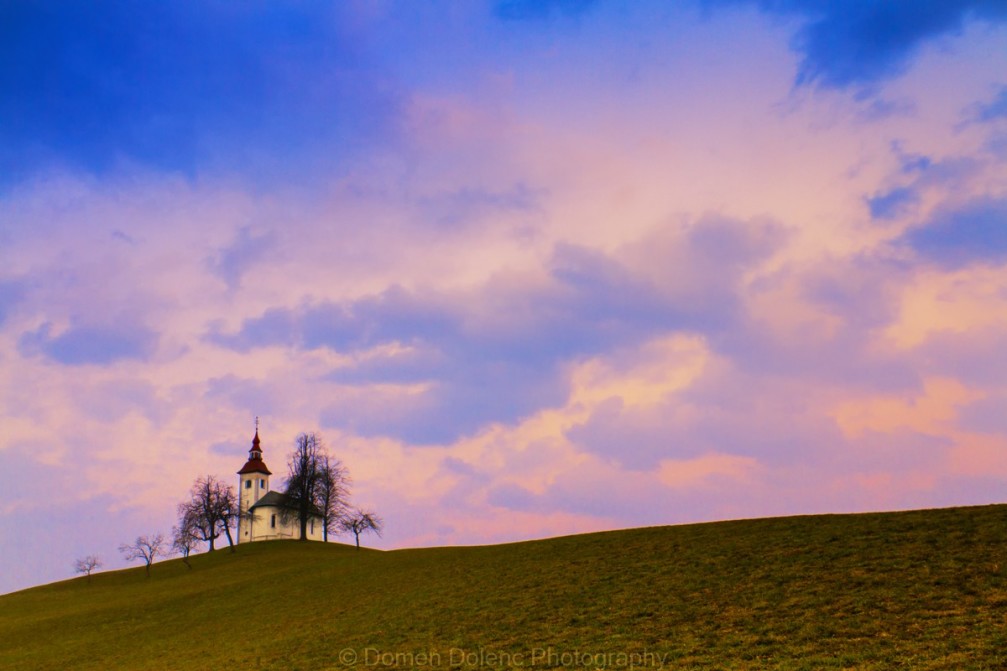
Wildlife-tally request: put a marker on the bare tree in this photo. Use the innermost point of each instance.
(184, 538)
(359, 521)
(190, 522)
(146, 548)
(86, 565)
(333, 494)
(227, 506)
(304, 479)
(212, 507)
(318, 485)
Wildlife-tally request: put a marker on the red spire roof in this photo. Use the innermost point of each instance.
(255, 464)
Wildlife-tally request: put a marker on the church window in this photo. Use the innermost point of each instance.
(312, 526)
(272, 521)
(262, 483)
(248, 484)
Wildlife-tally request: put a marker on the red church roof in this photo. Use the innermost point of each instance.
(255, 464)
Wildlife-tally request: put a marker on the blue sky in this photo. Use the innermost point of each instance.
(714, 259)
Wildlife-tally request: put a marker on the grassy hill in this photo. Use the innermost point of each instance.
(913, 590)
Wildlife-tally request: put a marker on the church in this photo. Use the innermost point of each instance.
(262, 511)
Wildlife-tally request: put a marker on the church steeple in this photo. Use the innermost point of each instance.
(256, 451)
(253, 484)
(255, 464)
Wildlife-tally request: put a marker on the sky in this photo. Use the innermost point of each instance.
(530, 268)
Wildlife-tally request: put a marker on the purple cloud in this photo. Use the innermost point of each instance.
(276, 326)
(467, 207)
(974, 356)
(608, 494)
(636, 438)
(513, 497)
(864, 291)
(462, 396)
(862, 296)
(112, 401)
(893, 204)
(417, 364)
(858, 44)
(993, 110)
(249, 395)
(11, 294)
(973, 233)
(231, 450)
(248, 249)
(986, 415)
(80, 345)
(736, 414)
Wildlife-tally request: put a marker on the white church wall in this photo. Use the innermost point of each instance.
(252, 487)
(269, 525)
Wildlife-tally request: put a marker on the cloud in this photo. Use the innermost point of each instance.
(971, 354)
(700, 269)
(462, 397)
(972, 233)
(247, 250)
(86, 344)
(124, 238)
(986, 415)
(228, 449)
(741, 446)
(724, 412)
(513, 497)
(605, 493)
(401, 365)
(637, 437)
(469, 206)
(993, 110)
(249, 395)
(394, 315)
(893, 204)
(823, 322)
(276, 326)
(898, 451)
(112, 401)
(11, 293)
(863, 290)
(856, 45)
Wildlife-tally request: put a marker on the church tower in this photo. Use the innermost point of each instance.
(253, 483)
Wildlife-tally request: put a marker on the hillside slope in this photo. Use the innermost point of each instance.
(919, 590)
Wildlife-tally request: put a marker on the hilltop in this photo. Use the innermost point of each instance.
(920, 590)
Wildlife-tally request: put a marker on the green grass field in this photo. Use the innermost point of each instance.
(913, 590)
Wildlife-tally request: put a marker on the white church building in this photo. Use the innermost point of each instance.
(267, 520)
